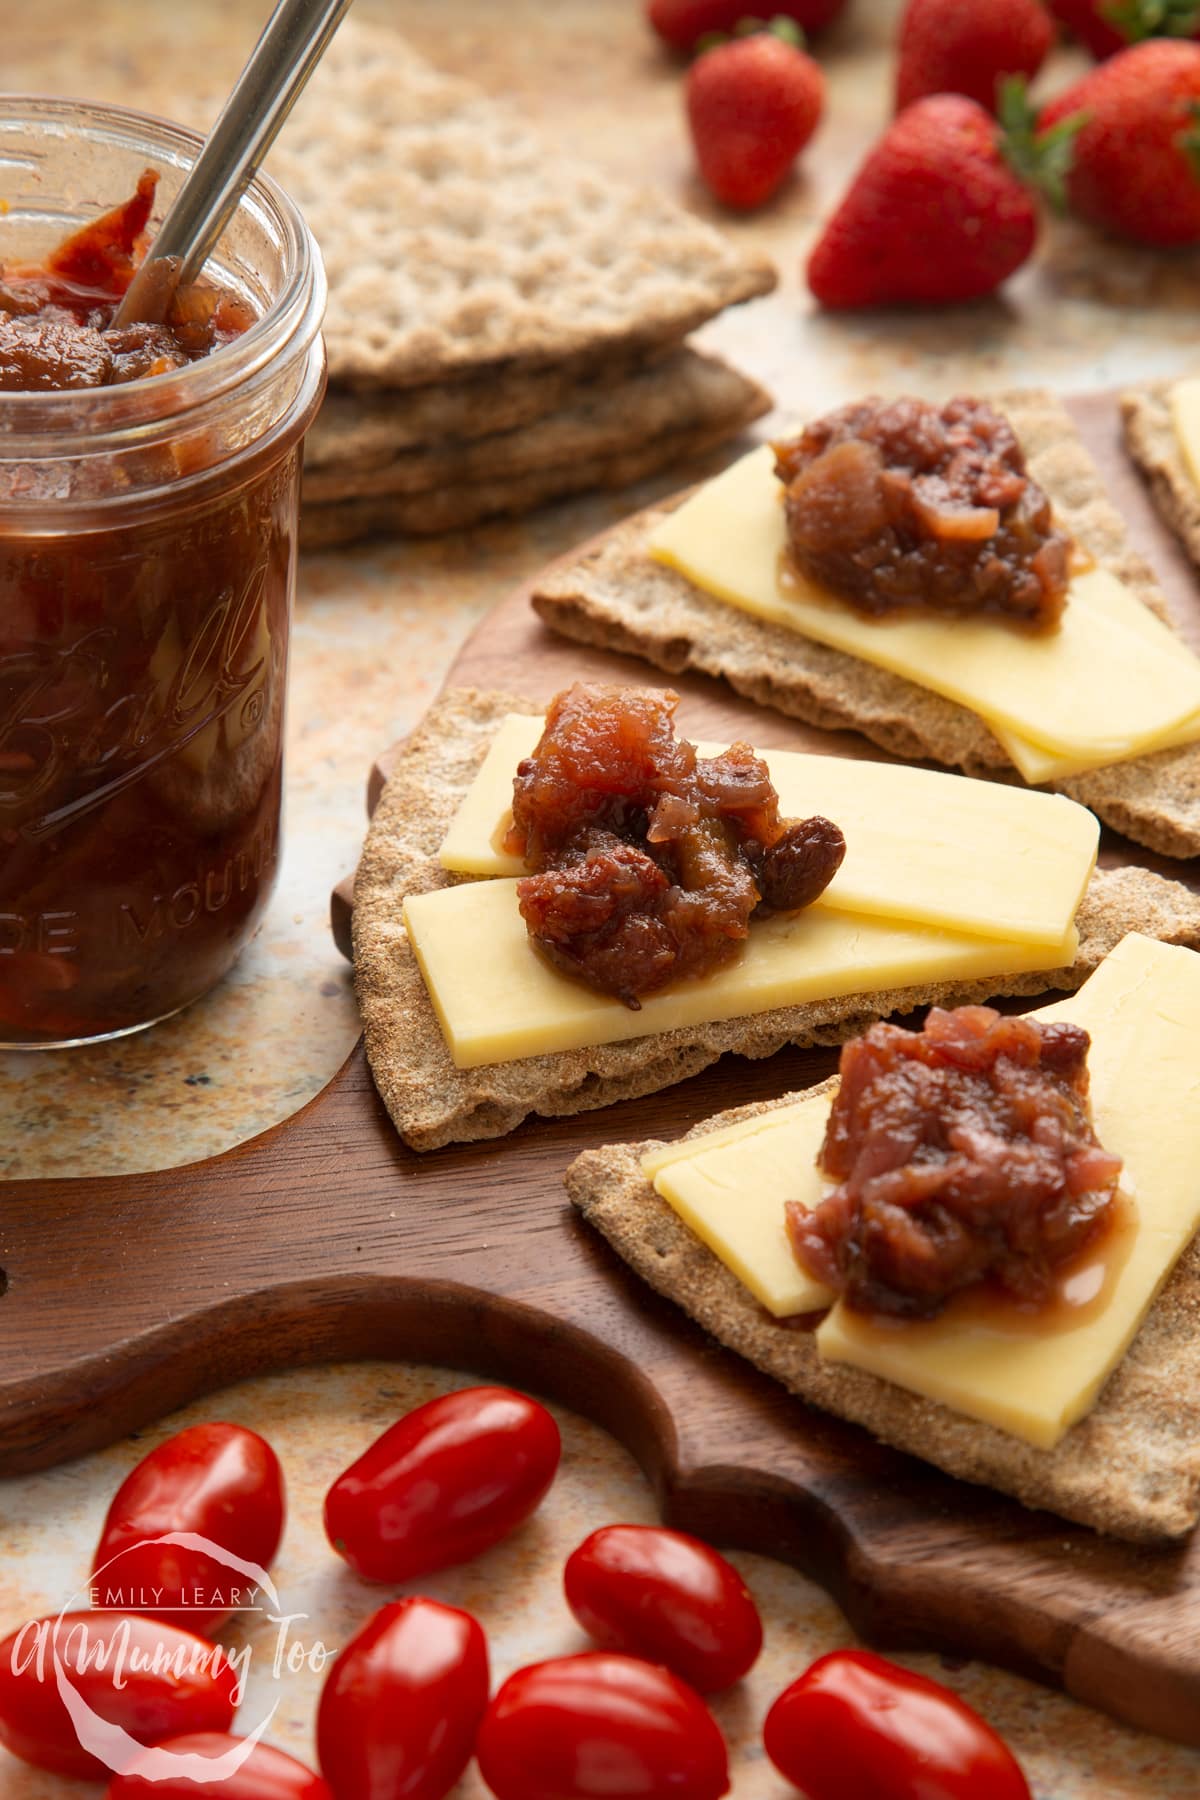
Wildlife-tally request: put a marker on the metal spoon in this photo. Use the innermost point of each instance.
(293, 41)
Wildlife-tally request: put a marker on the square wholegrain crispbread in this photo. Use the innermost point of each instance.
(1152, 442)
(617, 597)
(679, 393)
(505, 324)
(460, 504)
(1130, 1468)
(365, 429)
(432, 1102)
(457, 241)
(617, 431)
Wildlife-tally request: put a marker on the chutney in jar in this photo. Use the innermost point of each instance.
(148, 510)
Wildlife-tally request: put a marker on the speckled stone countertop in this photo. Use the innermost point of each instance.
(376, 629)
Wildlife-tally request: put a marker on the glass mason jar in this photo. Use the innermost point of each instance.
(147, 568)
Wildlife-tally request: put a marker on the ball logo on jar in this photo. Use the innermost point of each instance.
(59, 717)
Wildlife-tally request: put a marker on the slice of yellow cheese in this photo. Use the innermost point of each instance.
(1142, 1008)
(923, 847)
(731, 1187)
(1038, 766)
(1112, 682)
(472, 844)
(496, 999)
(1185, 416)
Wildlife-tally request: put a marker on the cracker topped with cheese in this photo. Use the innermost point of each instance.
(1162, 435)
(1105, 709)
(1093, 1415)
(950, 892)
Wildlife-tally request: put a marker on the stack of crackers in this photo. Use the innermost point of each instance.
(505, 324)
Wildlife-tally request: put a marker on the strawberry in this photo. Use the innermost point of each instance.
(949, 48)
(937, 212)
(1136, 168)
(1106, 26)
(682, 23)
(752, 105)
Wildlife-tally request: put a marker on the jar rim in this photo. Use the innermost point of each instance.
(35, 424)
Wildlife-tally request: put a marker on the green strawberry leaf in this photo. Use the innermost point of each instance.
(787, 30)
(1138, 19)
(1041, 159)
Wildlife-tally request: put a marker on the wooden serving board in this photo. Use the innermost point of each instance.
(326, 1238)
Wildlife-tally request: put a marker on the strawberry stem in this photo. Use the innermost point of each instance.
(1138, 19)
(787, 30)
(1041, 159)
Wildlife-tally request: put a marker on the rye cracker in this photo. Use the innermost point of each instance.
(681, 393)
(433, 1103)
(459, 505)
(458, 241)
(362, 429)
(1131, 1468)
(615, 596)
(1152, 442)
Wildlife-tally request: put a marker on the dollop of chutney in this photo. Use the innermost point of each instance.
(649, 860)
(965, 1155)
(898, 504)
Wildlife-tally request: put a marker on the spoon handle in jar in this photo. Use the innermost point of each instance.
(293, 41)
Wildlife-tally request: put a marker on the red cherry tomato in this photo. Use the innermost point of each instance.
(266, 1774)
(402, 1704)
(192, 1688)
(445, 1483)
(667, 1597)
(857, 1727)
(220, 1482)
(600, 1727)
